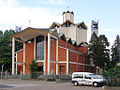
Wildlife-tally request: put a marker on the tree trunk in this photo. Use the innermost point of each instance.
(95, 69)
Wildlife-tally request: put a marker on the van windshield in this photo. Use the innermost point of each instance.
(93, 76)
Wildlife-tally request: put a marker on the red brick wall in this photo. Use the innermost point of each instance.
(83, 49)
(20, 56)
(52, 55)
(53, 50)
(61, 43)
(46, 57)
(64, 44)
(80, 68)
(63, 71)
(72, 68)
(86, 68)
(53, 67)
(72, 56)
(19, 69)
(86, 60)
(71, 46)
(80, 58)
(29, 56)
(20, 60)
(61, 54)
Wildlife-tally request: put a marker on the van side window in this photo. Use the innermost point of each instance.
(75, 76)
(87, 77)
(78, 76)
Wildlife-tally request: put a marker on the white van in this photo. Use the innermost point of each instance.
(86, 78)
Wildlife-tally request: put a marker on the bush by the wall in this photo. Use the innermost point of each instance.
(113, 76)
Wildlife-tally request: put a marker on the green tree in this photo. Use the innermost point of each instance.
(115, 51)
(1, 33)
(33, 66)
(98, 52)
(113, 75)
(5, 49)
(33, 69)
(104, 56)
(93, 52)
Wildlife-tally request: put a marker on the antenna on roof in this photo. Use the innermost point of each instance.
(68, 8)
(29, 22)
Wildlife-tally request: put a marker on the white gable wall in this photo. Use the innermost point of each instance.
(69, 32)
(81, 35)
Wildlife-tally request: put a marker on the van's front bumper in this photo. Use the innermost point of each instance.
(73, 81)
(101, 83)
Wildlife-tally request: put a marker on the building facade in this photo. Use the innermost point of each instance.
(60, 49)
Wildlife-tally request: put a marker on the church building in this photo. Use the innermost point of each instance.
(59, 49)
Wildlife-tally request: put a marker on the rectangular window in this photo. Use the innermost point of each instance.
(40, 48)
(78, 76)
(87, 77)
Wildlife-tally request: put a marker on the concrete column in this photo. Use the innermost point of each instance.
(48, 53)
(57, 57)
(16, 63)
(13, 55)
(35, 48)
(44, 54)
(24, 58)
(77, 62)
(83, 64)
(67, 61)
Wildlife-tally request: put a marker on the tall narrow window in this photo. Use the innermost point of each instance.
(40, 48)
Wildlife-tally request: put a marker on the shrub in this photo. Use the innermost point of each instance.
(112, 76)
(33, 69)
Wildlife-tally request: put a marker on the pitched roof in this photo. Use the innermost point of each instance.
(54, 24)
(83, 44)
(68, 40)
(74, 43)
(30, 33)
(69, 22)
(83, 25)
(62, 36)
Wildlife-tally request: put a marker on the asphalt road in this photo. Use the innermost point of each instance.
(41, 85)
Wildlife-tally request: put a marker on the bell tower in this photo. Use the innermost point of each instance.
(94, 27)
(68, 16)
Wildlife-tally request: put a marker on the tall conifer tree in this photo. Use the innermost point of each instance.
(98, 52)
(115, 51)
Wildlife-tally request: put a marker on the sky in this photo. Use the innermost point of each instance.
(42, 13)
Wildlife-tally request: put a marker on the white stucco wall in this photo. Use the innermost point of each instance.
(68, 16)
(81, 35)
(68, 31)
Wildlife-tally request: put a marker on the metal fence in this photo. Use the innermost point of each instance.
(4, 75)
(35, 75)
(8, 75)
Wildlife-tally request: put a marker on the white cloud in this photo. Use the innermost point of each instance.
(55, 2)
(11, 15)
(8, 3)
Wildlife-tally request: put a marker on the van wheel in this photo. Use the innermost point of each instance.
(75, 83)
(95, 84)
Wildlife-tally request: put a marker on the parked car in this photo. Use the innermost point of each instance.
(86, 78)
